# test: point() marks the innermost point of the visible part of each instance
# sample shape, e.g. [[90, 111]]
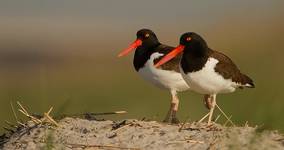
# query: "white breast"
[[162, 78], [207, 81]]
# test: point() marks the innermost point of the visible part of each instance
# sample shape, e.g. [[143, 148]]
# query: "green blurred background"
[[62, 53]]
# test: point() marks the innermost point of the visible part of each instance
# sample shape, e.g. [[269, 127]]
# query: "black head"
[[190, 43], [192, 40], [148, 38]]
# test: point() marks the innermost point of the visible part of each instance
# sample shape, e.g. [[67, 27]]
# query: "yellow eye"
[[188, 39], [147, 35]]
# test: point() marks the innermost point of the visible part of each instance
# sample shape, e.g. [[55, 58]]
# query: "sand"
[[76, 133]]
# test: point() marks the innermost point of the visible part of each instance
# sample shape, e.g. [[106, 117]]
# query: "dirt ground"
[[76, 133]]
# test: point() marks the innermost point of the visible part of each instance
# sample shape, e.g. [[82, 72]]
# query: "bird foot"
[[171, 118]]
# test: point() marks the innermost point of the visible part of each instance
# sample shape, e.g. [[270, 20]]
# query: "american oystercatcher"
[[149, 51], [206, 71]]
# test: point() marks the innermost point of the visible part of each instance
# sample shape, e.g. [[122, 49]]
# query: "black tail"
[[247, 81]]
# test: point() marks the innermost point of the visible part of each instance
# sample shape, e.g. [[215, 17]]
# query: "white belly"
[[207, 81], [162, 78]]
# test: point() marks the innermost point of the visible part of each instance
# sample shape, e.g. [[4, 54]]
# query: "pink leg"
[[212, 109], [171, 116]]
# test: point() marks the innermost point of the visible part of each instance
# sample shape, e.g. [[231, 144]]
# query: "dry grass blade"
[[25, 112], [246, 124], [49, 111], [22, 108], [49, 118], [10, 124], [203, 118], [217, 118], [22, 124], [46, 115], [46, 118], [14, 112], [228, 119]]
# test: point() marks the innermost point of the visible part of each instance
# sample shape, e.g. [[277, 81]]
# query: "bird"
[[205, 70], [148, 51]]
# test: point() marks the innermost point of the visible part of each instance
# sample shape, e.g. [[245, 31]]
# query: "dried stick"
[[187, 140], [102, 146], [182, 125], [108, 113]]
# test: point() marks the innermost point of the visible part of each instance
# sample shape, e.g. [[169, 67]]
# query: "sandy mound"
[[75, 133]]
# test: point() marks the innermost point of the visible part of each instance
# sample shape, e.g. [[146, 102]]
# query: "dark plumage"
[[149, 46], [149, 50], [206, 71], [229, 70], [142, 55], [197, 53]]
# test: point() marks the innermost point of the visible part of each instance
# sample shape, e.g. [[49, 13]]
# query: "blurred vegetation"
[[105, 83]]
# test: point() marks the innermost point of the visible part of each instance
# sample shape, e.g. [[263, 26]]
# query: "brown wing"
[[229, 70]]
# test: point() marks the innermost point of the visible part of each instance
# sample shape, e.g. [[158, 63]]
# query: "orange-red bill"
[[131, 47], [170, 55]]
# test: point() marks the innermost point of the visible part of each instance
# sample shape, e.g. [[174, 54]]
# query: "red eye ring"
[[188, 39]]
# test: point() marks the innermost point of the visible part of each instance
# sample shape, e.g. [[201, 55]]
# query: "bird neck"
[[197, 50], [194, 58], [143, 54]]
